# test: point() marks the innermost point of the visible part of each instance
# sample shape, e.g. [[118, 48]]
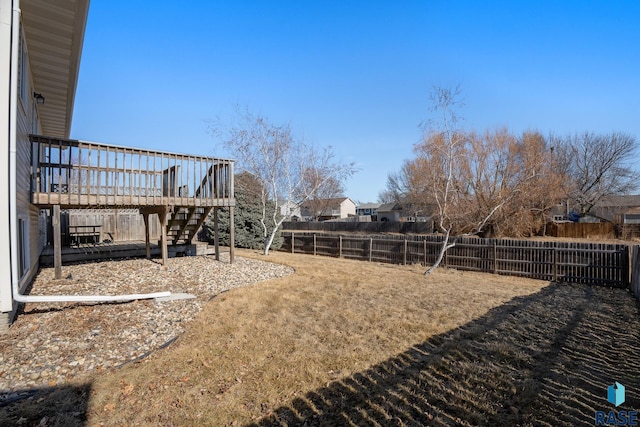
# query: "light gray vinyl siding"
[[25, 124]]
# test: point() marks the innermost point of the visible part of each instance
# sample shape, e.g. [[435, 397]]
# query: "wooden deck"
[[77, 174], [105, 251], [181, 189]]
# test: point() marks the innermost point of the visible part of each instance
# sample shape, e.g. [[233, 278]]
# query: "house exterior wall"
[[5, 238], [290, 210], [328, 209], [366, 211], [347, 208], [631, 218], [27, 123], [388, 216], [28, 218]]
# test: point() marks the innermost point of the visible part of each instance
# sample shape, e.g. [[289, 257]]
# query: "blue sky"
[[355, 75]]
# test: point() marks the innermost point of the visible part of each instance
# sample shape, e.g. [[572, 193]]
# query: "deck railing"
[[79, 173]]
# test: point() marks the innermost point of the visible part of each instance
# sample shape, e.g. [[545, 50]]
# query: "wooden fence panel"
[[387, 251], [415, 252], [327, 245], [118, 225], [355, 248], [588, 263], [635, 271], [581, 229]]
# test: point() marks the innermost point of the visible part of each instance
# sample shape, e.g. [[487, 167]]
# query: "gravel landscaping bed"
[[52, 343]]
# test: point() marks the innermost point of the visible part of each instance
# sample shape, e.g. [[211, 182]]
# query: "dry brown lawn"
[[354, 343]]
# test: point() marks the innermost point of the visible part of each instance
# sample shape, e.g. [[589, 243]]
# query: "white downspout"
[[13, 212]]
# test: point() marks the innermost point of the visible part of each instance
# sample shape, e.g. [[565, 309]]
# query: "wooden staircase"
[[184, 222]]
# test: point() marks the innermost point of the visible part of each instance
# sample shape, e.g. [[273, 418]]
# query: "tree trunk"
[[269, 241], [445, 246]]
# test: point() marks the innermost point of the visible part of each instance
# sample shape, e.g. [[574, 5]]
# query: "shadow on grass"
[[542, 359], [65, 405]]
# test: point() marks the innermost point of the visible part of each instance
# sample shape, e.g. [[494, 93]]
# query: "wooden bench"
[[85, 234]]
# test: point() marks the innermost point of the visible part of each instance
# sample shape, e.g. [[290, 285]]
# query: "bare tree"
[[597, 166], [476, 182], [288, 170], [545, 188], [436, 171], [519, 175], [397, 188]]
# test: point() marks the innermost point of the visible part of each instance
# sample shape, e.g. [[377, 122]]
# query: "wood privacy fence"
[[362, 227], [581, 229], [589, 263], [117, 225]]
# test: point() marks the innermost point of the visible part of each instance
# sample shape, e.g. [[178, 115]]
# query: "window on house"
[[23, 243]]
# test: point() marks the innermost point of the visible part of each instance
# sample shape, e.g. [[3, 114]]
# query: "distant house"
[[389, 212], [618, 209], [368, 209], [629, 216], [290, 210], [328, 209], [399, 212]]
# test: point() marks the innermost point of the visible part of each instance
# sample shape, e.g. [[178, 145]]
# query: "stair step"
[[184, 222]]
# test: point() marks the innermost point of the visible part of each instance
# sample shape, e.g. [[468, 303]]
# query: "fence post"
[[314, 243], [404, 255], [340, 247], [370, 249], [626, 266], [293, 242]]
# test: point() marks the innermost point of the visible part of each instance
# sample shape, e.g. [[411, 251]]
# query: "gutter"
[[13, 212]]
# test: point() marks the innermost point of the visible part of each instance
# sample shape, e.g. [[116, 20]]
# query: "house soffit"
[[54, 33]]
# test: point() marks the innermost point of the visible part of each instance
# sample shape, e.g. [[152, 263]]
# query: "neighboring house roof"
[[333, 202], [369, 206], [389, 207], [610, 206], [54, 33], [626, 201], [283, 202]]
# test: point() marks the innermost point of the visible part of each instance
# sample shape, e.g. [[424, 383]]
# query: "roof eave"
[[54, 33]]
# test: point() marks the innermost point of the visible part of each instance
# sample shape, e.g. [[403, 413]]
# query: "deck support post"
[[57, 243], [147, 237], [216, 235], [231, 236], [163, 240]]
